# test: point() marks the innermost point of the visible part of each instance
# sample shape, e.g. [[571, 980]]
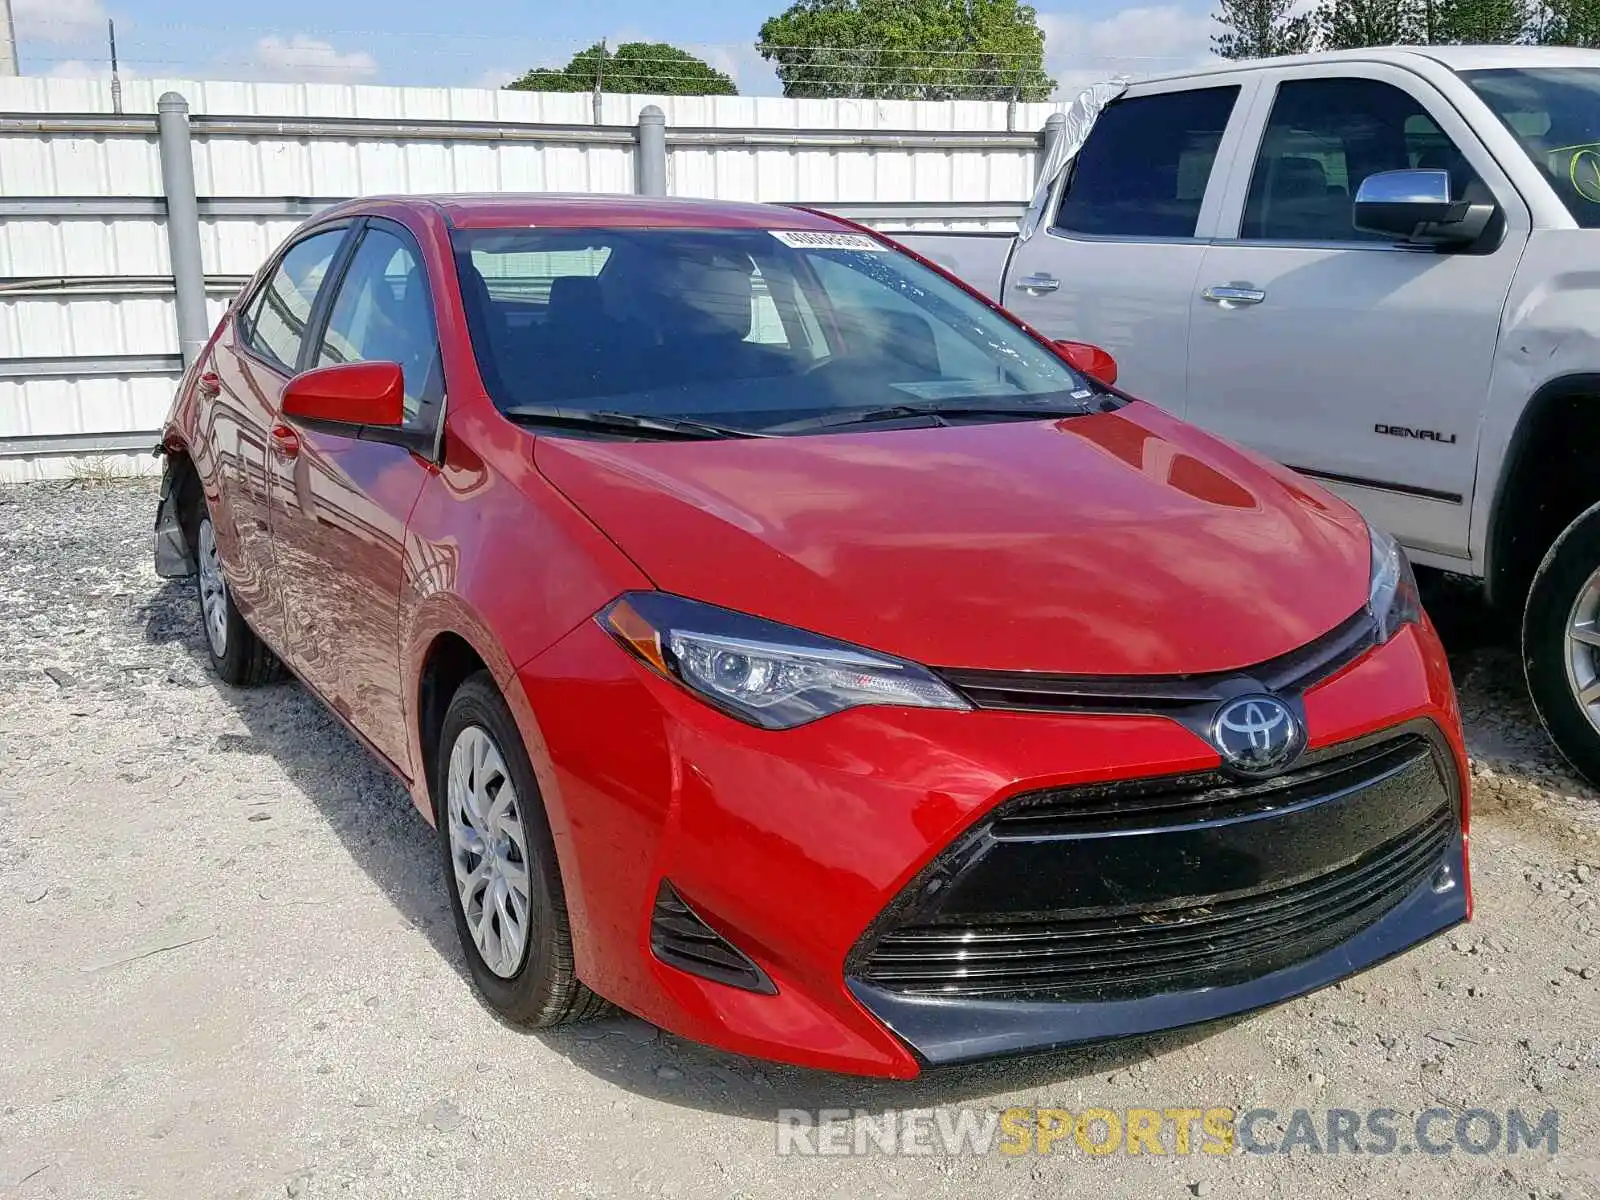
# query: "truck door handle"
[[1038, 283], [1231, 294], [285, 442]]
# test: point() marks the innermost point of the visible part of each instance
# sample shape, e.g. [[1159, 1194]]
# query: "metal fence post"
[[1055, 126], [183, 224], [651, 176], [8, 41]]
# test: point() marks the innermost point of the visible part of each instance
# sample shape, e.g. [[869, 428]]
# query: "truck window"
[[1143, 172], [1554, 113], [1323, 138]]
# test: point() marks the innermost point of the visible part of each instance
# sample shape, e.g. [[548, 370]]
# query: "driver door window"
[[383, 313], [1323, 138]]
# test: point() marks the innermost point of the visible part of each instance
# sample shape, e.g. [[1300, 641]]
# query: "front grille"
[[680, 938], [1142, 803], [1141, 887], [1130, 955], [1036, 691]]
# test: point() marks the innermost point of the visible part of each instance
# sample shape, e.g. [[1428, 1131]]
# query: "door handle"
[[210, 384], [1041, 282], [1230, 294], [285, 441]]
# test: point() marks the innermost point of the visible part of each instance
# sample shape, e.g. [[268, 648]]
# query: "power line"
[[545, 44]]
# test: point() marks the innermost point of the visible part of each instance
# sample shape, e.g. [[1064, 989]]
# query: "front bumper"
[[803, 849]]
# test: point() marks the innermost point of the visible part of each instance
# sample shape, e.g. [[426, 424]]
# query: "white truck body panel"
[[1396, 376]]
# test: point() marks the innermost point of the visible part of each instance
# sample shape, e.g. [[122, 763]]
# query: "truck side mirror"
[[1415, 206]]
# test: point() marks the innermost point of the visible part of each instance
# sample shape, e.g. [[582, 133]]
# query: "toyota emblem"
[[1257, 734]]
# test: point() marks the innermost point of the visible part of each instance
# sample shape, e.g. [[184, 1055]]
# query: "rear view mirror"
[[1415, 206], [1094, 362], [362, 393]]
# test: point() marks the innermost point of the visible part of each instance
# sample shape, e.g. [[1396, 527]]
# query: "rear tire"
[[500, 865], [1561, 644], [238, 656]]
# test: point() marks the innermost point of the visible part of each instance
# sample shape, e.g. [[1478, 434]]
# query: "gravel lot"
[[227, 968]]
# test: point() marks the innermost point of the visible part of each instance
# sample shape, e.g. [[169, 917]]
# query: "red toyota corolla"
[[793, 648]]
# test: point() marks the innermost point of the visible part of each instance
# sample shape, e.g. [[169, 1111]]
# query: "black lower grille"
[[1156, 886], [679, 938], [1144, 953]]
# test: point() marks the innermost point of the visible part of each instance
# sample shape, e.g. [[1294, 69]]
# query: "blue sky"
[[487, 42]]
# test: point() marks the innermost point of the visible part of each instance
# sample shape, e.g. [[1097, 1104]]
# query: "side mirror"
[[1415, 206], [1094, 362], [361, 393]]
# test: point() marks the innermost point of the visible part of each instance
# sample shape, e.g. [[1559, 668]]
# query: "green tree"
[[1474, 22], [644, 68], [1568, 23], [1261, 29], [908, 49], [1352, 24]]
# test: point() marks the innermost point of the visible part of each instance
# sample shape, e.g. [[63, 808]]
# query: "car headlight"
[[1393, 600], [759, 671]]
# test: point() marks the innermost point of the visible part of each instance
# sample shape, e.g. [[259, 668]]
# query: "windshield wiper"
[[900, 412], [621, 422]]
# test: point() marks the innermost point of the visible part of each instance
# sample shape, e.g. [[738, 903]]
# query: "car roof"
[[501, 210], [1456, 58]]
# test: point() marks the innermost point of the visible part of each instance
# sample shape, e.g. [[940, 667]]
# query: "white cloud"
[[59, 21], [743, 63], [305, 59], [1135, 42], [78, 68], [496, 77]]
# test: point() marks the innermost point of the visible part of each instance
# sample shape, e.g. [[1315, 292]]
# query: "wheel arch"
[[1538, 494], [450, 641]]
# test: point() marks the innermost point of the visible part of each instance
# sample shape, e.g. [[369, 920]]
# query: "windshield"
[[1555, 114], [752, 329]]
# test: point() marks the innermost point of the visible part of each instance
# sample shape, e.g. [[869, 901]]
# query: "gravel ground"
[[227, 967]]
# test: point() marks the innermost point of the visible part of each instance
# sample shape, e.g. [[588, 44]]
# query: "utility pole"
[[116, 80], [8, 41], [596, 104]]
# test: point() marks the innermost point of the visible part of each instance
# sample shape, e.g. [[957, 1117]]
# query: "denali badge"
[[1256, 734], [1426, 435]]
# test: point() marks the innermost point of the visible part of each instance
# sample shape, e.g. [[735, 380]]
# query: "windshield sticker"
[[815, 239]]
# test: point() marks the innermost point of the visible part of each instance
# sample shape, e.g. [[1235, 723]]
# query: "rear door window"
[[1145, 168]]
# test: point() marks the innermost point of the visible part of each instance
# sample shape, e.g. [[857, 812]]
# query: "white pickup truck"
[[1381, 267]]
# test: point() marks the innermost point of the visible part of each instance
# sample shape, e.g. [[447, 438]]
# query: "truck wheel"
[[1561, 643]]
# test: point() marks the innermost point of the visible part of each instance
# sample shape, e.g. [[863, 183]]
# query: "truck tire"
[[1561, 643]]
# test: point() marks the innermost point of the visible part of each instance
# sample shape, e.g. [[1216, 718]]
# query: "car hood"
[[1122, 543]]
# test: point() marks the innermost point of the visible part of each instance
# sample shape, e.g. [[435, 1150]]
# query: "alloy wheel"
[[213, 591], [1583, 649], [488, 850]]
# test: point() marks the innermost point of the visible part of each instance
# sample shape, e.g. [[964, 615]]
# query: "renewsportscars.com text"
[[1168, 1131]]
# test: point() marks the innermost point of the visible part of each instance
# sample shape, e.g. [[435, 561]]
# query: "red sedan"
[[791, 647]]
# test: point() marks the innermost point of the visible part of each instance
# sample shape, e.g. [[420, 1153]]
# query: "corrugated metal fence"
[[89, 348]]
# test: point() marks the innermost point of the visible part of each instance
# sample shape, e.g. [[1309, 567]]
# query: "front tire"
[[238, 656], [500, 865], [1561, 643]]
